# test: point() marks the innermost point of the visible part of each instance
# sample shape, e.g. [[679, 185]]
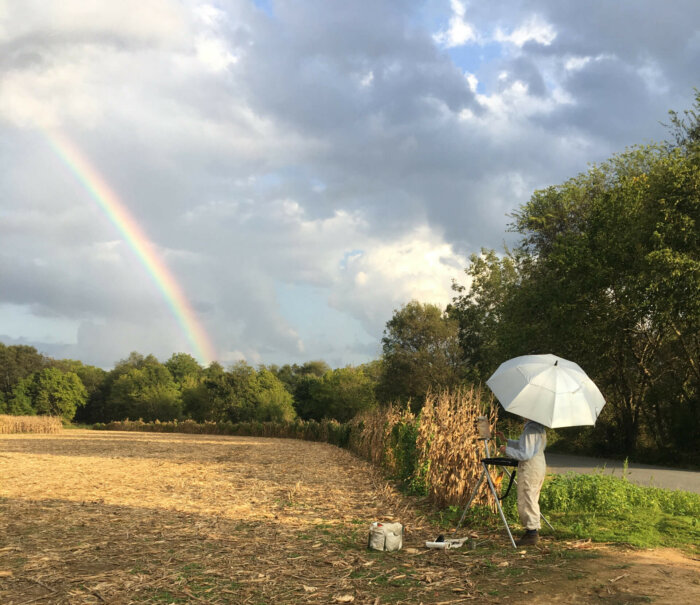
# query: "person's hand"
[[502, 449]]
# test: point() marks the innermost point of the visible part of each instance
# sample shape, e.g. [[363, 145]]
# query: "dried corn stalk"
[[450, 447], [30, 424]]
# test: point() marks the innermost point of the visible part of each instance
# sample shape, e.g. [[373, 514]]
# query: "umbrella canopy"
[[547, 389]]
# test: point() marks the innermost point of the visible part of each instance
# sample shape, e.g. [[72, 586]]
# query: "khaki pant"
[[530, 478]]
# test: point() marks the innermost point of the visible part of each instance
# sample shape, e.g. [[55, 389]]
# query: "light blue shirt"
[[532, 442]]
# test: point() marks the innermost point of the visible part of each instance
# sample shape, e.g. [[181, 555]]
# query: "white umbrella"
[[547, 389]]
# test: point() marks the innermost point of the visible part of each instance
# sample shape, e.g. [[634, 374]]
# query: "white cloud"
[[535, 29], [159, 23], [367, 79], [654, 77], [472, 80], [214, 53], [576, 63], [420, 265], [459, 31]]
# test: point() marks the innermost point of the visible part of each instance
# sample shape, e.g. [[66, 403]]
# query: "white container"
[[385, 536]]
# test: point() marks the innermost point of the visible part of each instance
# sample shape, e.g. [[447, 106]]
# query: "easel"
[[485, 435]]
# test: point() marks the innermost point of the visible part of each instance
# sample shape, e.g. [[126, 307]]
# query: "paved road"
[[642, 474]]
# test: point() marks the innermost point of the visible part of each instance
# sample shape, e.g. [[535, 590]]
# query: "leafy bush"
[[605, 495]]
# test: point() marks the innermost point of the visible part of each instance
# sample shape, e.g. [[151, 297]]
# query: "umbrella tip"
[[556, 362]]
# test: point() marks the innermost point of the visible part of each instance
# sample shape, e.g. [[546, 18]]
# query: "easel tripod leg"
[[498, 504], [471, 499]]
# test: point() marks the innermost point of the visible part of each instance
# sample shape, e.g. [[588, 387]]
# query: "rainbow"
[[116, 211]]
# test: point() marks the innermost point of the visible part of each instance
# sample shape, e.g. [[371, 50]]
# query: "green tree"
[[478, 310], [292, 375], [185, 370], [307, 403], [273, 402], [209, 400], [50, 392], [240, 394], [420, 353], [93, 379], [17, 362], [607, 274], [340, 394], [142, 387], [613, 282]]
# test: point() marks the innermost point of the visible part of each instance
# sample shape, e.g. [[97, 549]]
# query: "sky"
[[270, 180]]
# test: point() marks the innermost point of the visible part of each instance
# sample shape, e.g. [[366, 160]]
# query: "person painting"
[[529, 451]]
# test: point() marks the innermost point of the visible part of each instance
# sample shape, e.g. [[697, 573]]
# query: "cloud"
[[313, 162], [459, 32], [535, 29], [419, 266]]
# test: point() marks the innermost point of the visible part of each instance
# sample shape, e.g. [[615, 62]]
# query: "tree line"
[[141, 387], [606, 273]]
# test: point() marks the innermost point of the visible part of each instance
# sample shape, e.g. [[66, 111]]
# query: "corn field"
[[30, 424], [436, 452], [447, 450], [450, 445]]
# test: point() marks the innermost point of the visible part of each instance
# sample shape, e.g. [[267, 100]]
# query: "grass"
[[604, 509], [611, 509]]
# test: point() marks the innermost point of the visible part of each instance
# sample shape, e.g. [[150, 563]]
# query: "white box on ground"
[[385, 536]]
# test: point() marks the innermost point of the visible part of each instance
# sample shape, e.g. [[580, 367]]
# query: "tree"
[[340, 394], [93, 379], [613, 282], [239, 395], [420, 353], [273, 401], [478, 311], [292, 375], [307, 403], [143, 388], [607, 274], [209, 400], [50, 392], [17, 362], [185, 370]]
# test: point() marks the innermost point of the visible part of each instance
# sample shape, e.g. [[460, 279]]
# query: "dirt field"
[[95, 517]]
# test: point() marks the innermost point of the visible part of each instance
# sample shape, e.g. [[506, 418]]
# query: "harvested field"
[[108, 517]]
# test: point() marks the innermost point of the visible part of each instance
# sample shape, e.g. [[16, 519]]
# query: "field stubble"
[[90, 517]]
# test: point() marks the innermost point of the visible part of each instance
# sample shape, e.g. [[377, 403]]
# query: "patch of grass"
[[513, 571], [572, 554], [640, 527], [191, 568], [352, 541], [167, 597], [604, 509]]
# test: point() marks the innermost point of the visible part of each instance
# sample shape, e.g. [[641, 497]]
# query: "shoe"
[[529, 538]]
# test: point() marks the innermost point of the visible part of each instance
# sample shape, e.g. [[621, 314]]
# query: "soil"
[[98, 517]]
